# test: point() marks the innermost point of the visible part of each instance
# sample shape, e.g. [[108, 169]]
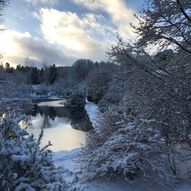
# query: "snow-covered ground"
[[56, 103], [36, 96], [69, 162], [42, 92], [94, 114]]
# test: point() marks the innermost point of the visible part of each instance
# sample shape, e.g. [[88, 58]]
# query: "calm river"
[[66, 130]]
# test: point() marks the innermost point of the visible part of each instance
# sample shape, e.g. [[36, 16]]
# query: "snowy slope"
[[94, 114]]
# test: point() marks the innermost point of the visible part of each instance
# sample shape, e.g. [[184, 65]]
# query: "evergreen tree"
[[41, 75], [34, 76], [52, 74]]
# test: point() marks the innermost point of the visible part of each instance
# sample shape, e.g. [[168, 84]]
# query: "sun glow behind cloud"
[[64, 28], [16, 47], [9, 45], [65, 35]]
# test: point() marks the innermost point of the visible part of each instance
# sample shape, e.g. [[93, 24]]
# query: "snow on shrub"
[[23, 164], [128, 150], [76, 101]]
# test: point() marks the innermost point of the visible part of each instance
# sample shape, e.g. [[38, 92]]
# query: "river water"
[[65, 129]]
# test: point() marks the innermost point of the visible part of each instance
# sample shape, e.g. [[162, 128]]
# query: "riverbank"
[[94, 114], [69, 162]]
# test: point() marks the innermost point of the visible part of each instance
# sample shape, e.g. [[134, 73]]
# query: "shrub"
[[76, 100], [23, 164], [128, 150], [97, 85]]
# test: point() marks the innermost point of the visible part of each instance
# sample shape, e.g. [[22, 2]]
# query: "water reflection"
[[65, 129]]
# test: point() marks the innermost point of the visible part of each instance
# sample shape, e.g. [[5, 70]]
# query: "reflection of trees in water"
[[64, 120], [46, 123], [47, 113], [79, 119], [32, 110]]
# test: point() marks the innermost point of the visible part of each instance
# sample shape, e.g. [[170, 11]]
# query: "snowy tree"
[[97, 84], [166, 22], [50, 74], [81, 68], [24, 165], [129, 150], [157, 92], [152, 110], [12, 85]]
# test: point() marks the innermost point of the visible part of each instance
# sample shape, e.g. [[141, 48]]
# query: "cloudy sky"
[[62, 31]]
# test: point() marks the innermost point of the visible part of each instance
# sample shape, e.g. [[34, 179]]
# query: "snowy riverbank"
[[94, 114], [68, 163]]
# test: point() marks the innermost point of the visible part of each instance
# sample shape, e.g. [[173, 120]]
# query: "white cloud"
[[8, 45], [16, 47], [81, 36], [69, 36], [64, 28], [120, 14]]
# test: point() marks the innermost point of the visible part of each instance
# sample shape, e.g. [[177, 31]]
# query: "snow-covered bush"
[[114, 93], [42, 90], [16, 105], [131, 141], [76, 100], [24, 165], [128, 150], [11, 88], [97, 84]]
